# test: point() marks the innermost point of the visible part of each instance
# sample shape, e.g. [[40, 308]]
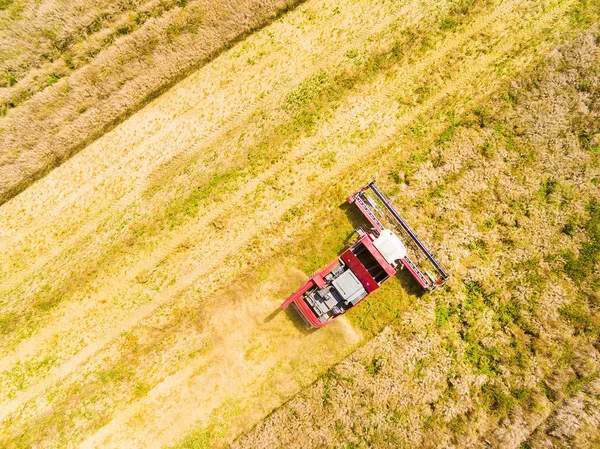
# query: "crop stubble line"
[[189, 278], [123, 203], [87, 229]]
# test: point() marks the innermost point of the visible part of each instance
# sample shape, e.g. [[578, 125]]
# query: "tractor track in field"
[[238, 231], [29, 346]]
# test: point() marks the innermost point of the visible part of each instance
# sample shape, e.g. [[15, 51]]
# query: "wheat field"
[[140, 279], [71, 71]]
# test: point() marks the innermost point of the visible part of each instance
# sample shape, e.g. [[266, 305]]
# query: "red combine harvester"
[[374, 257]]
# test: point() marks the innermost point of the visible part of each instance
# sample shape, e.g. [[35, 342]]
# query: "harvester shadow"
[[298, 321], [272, 315], [292, 316], [408, 283], [356, 218]]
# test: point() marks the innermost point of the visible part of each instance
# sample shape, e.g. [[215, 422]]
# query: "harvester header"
[[376, 255]]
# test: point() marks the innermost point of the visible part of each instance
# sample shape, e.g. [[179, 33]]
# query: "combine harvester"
[[374, 257]]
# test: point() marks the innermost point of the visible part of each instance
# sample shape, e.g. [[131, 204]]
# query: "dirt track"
[[134, 310]]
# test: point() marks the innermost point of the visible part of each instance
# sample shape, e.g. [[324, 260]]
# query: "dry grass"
[[573, 424], [71, 71], [512, 189], [138, 279]]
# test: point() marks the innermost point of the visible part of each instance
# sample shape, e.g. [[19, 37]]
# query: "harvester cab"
[[371, 259]]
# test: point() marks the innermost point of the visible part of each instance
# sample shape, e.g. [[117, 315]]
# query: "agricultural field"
[[140, 279], [71, 71]]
